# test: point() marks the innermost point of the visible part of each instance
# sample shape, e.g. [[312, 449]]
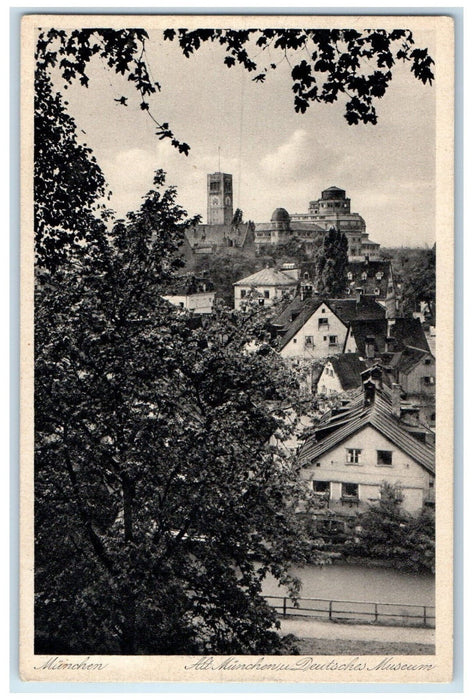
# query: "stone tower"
[[219, 198]]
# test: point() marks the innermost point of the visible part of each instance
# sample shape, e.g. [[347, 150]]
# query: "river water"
[[360, 583]]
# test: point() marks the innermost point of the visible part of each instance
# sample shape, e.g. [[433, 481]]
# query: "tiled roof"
[[409, 358], [345, 309], [360, 329], [410, 332], [405, 331], [371, 268], [356, 416], [351, 309], [268, 276], [348, 369]]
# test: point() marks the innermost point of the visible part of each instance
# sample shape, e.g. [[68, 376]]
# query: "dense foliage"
[[331, 264], [160, 501], [387, 532], [155, 477]]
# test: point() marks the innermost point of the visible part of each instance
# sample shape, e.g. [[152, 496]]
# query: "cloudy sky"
[[278, 158]]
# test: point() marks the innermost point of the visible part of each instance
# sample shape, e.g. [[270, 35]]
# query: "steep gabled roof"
[[337, 428], [377, 329], [409, 358], [348, 369], [410, 332], [267, 277], [405, 332], [366, 308], [344, 309]]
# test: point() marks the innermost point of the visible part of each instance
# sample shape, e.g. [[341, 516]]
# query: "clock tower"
[[219, 199]]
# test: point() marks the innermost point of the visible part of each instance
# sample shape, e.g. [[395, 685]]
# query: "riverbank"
[[322, 637]]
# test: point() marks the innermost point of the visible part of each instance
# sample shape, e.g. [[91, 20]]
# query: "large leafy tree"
[[331, 264], [155, 476], [418, 275], [160, 502]]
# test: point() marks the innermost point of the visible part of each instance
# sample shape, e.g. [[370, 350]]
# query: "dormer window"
[[379, 275], [364, 275], [350, 276], [376, 291]]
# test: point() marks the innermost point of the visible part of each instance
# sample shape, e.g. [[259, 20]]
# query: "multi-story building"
[[333, 209], [358, 446], [266, 286]]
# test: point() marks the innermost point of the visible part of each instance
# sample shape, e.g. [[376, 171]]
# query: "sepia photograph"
[[237, 348]]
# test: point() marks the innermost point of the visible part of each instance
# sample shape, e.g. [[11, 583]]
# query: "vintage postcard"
[[237, 348]]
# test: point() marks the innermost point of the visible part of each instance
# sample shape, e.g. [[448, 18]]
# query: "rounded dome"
[[280, 214]]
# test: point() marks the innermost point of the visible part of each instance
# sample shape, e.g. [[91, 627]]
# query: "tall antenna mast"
[[219, 159]]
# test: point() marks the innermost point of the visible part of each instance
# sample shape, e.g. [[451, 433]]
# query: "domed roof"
[[280, 214]]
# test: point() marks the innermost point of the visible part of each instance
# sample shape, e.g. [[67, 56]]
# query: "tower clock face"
[[215, 201]]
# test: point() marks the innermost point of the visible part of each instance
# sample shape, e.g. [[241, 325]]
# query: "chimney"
[[359, 294], [306, 291], [389, 343], [370, 391], [391, 322], [369, 347], [396, 400]]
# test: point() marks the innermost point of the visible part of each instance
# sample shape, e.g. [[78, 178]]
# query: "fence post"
[[330, 610], [425, 616], [376, 612], [284, 607]]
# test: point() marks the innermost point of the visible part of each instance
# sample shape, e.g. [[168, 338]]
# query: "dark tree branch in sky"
[[338, 63]]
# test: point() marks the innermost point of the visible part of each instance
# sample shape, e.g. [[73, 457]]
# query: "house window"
[[309, 339], [384, 457], [427, 362], [428, 380], [376, 291], [353, 455], [243, 293], [261, 302], [295, 340], [266, 293], [323, 322], [350, 492], [333, 339], [322, 310], [321, 488]]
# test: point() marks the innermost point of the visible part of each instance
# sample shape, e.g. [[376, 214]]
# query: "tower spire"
[[219, 159]]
